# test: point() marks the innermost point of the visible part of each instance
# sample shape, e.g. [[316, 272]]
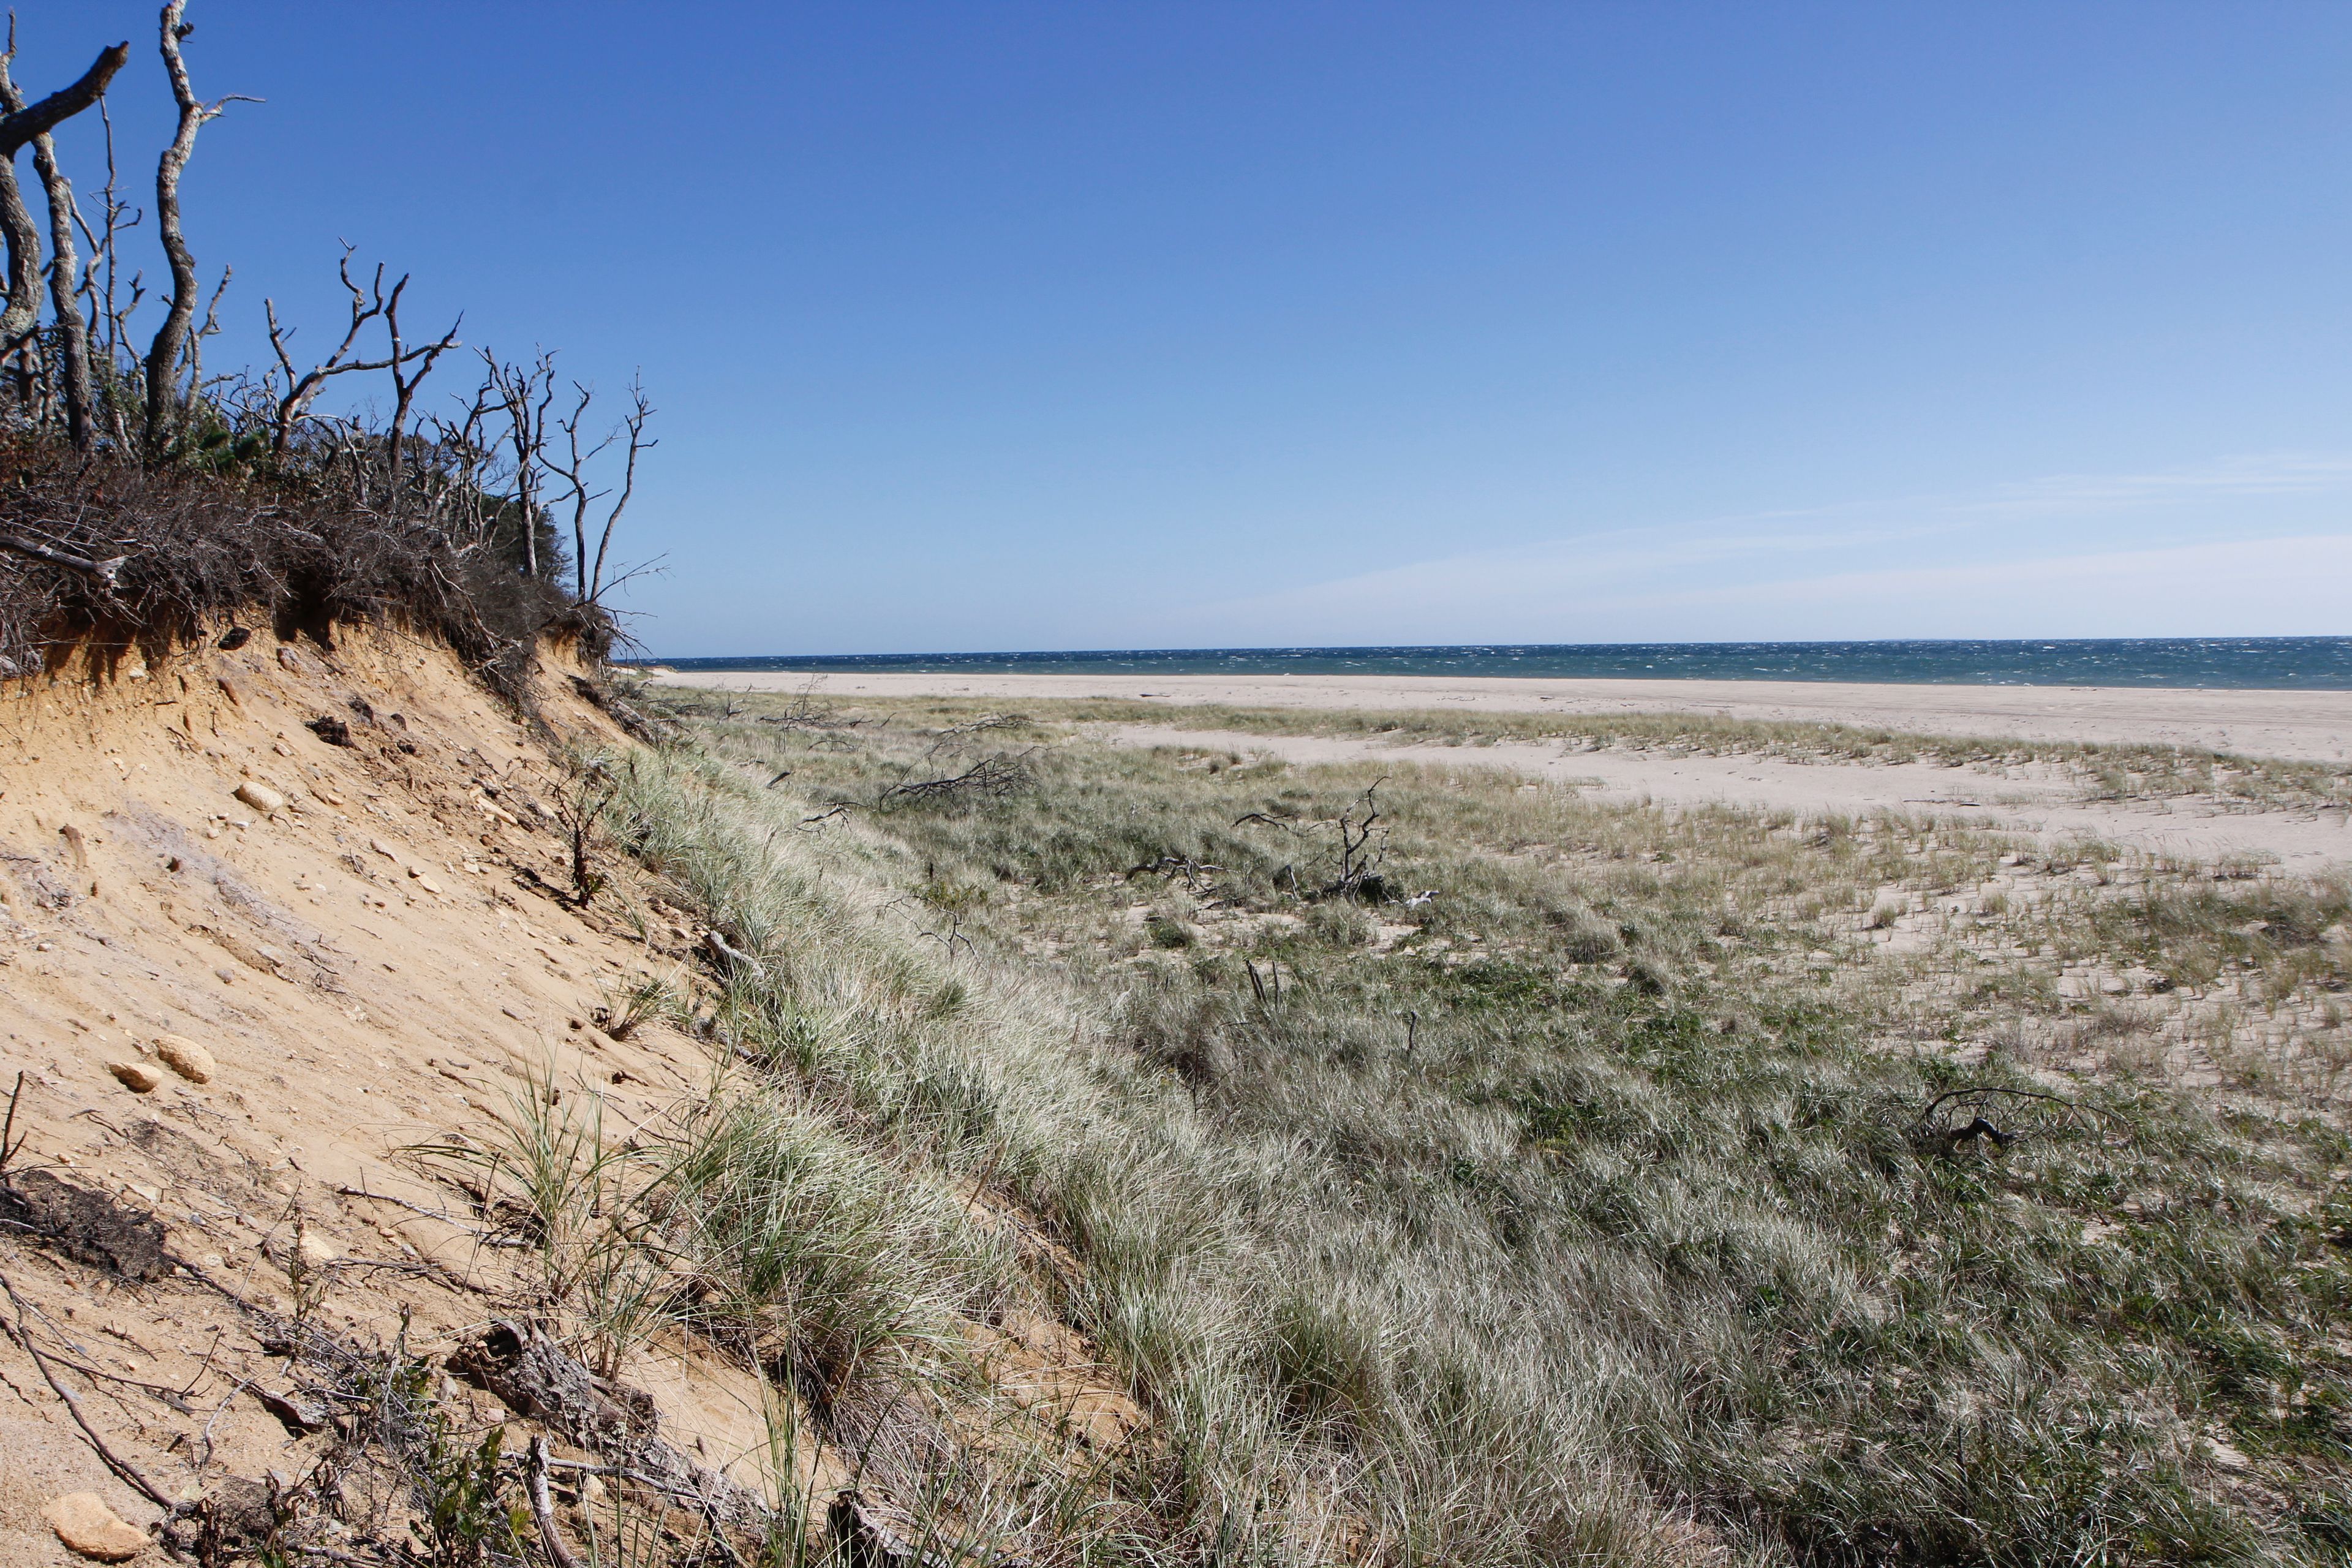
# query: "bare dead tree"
[[72, 378], [464, 506], [589, 575], [303, 389], [73, 332], [404, 384], [211, 328], [20, 318], [164, 404], [65, 266], [112, 302], [523, 393], [23, 123]]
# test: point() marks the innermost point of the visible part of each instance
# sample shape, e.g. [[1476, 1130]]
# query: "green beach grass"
[[1581, 1183]]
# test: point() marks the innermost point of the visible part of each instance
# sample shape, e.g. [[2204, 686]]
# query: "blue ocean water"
[[2231, 662]]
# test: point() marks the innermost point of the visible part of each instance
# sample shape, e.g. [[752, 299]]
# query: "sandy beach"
[[2303, 726], [2039, 801]]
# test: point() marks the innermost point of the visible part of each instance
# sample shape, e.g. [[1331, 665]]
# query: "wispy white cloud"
[[2228, 479], [2119, 554], [2291, 586]]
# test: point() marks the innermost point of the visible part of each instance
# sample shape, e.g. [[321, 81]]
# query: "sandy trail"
[[2036, 800], [2306, 726]]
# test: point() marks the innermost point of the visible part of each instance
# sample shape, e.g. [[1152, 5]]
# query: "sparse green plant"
[[587, 1210], [466, 1521], [640, 999], [581, 805]]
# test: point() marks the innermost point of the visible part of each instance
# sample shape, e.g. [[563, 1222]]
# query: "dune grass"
[[1599, 1206], [2105, 772]]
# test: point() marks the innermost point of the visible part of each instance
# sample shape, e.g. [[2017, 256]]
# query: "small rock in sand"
[[380, 848], [260, 796], [186, 1058], [136, 1076], [423, 881], [87, 1526], [317, 1250]]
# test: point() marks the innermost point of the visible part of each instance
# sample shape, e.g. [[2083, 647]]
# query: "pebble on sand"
[[89, 1527], [186, 1057], [260, 796], [136, 1076]]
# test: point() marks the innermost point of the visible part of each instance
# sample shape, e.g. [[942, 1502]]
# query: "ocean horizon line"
[[2323, 663]]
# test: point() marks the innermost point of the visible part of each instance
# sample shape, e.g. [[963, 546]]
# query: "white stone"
[[260, 796]]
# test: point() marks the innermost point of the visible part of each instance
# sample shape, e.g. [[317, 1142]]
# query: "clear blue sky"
[[1027, 326]]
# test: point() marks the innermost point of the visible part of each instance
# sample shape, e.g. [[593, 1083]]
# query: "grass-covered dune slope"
[[1455, 1170]]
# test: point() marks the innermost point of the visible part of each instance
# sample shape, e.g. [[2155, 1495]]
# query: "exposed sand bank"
[[355, 945], [2304, 726]]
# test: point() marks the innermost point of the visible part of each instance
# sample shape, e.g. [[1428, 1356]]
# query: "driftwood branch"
[[539, 1382], [106, 571], [559, 1551], [1184, 866], [1361, 845], [1979, 1126], [949, 738], [997, 776], [807, 713]]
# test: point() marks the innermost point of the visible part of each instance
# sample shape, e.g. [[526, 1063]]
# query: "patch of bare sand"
[[2034, 801], [2297, 726]]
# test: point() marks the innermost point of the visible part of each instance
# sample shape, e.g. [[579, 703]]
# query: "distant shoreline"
[[2291, 664]]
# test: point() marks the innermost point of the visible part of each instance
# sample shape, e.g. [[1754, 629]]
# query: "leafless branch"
[[105, 571], [22, 1333], [543, 1511], [33, 124], [589, 584], [301, 390], [163, 398], [997, 776], [65, 266], [1359, 848], [22, 124], [405, 386], [949, 738]]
